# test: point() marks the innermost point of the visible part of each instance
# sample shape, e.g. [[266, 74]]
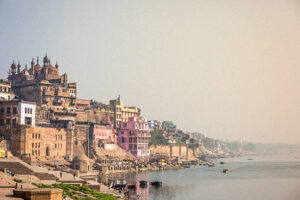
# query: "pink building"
[[134, 136], [102, 134]]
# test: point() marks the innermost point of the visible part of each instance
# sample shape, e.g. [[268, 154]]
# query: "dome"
[[46, 59], [81, 157], [51, 70]]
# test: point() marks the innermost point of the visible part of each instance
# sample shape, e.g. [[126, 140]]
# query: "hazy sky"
[[226, 68]]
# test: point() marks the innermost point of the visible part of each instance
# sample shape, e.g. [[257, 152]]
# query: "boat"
[[186, 166], [131, 186], [222, 163], [119, 184], [156, 183], [225, 171], [250, 159], [143, 184], [211, 165]]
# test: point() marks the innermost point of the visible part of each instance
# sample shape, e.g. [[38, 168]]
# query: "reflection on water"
[[267, 178]]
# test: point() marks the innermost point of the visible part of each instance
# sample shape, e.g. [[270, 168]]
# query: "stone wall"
[[173, 151]]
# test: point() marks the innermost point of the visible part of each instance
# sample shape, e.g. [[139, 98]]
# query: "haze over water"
[[263, 178]]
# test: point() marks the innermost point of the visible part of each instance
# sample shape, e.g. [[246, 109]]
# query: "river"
[[262, 178]]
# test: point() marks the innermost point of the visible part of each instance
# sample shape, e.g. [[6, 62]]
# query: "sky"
[[227, 68]]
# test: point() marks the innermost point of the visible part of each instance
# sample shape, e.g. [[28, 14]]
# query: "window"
[[14, 110], [32, 135], [39, 135], [28, 120], [35, 145], [123, 140], [130, 147], [32, 152], [8, 110], [8, 121], [55, 146], [130, 140], [124, 125], [61, 137], [1, 122], [2, 110], [32, 145], [39, 145], [14, 121]]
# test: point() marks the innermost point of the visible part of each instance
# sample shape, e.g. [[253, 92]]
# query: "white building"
[[17, 112], [27, 113], [5, 90]]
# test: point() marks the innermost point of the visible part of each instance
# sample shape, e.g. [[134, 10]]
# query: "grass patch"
[[74, 192]]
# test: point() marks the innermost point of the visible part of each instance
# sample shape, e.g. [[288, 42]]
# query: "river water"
[[263, 178]]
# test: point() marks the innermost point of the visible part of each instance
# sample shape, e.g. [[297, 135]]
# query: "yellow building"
[[122, 113]]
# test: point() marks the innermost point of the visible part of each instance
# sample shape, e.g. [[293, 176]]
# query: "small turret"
[[56, 65], [32, 67], [13, 68], [46, 60], [19, 68]]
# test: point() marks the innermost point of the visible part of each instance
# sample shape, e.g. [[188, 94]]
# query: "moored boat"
[[143, 184], [211, 165], [156, 183]]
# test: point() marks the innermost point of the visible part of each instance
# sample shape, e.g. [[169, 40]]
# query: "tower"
[[13, 68], [19, 68]]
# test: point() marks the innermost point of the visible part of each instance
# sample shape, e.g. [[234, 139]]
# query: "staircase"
[[45, 176]]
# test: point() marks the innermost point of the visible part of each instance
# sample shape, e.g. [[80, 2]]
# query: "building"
[[169, 126], [5, 90], [82, 104], [42, 124], [17, 112], [102, 134], [154, 124], [123, 113], [38, 142], [134, 136], [53, 95]]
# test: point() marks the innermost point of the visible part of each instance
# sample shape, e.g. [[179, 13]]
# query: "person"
[[74, 175], [60, 174]]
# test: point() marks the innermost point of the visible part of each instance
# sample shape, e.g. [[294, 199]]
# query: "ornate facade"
[[54, 96]]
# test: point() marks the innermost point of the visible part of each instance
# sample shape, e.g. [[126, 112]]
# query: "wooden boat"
[[156, 183], [222, 163], [143, 184], [119, 184], [131, 186], [211, 165]]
